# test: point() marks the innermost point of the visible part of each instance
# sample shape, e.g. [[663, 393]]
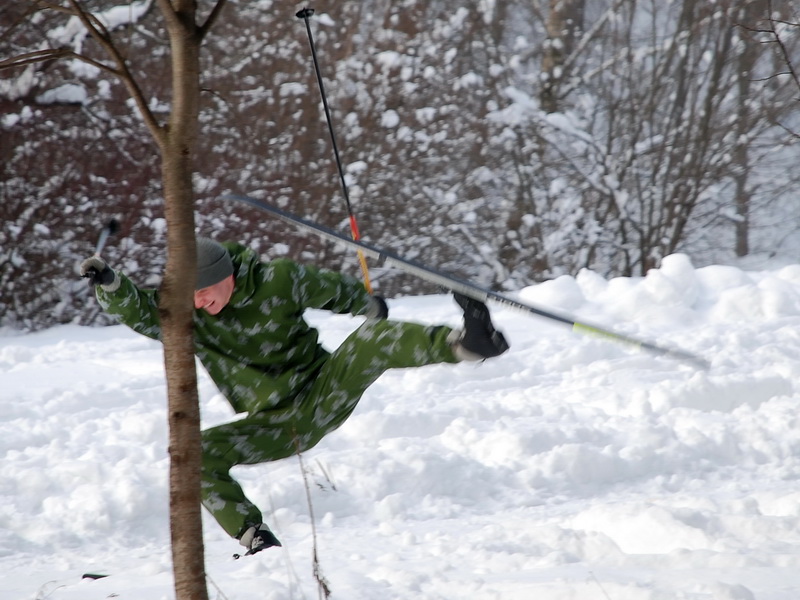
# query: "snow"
[[16, 88], [390, 119], [68, 93], [73, 33], [570, 468]]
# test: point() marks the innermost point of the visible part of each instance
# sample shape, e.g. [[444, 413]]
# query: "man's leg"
[[371, 350], [375, 347], [380, 345], [265, 437], [272, 435]]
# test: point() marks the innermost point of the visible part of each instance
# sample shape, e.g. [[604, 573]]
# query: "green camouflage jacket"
[[259, 350]]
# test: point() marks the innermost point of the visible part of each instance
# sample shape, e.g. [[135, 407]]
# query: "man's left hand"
[[377, 308]]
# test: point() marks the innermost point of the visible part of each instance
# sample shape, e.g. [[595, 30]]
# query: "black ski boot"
[[257, 538], [480, 339]]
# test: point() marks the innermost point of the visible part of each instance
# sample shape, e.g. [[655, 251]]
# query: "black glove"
[[97, 272], [377, 308]]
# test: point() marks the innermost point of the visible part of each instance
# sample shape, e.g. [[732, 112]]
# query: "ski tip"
[[93, 576]]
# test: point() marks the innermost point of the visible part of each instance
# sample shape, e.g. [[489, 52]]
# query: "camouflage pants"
[[324, 405]]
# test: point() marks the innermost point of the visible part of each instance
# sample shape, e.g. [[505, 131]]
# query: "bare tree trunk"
[[746, 62], [183, 404], [176, 308], [564, 21], [741, 167]]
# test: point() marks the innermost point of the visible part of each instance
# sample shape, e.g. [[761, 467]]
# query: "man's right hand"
[[97, 272]]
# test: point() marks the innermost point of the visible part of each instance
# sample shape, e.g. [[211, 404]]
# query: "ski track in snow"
[[570, 468]]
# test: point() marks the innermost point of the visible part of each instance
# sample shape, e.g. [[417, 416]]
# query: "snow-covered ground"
[[571, 468]]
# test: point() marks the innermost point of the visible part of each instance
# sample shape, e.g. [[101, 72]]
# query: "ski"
[[464, 287]]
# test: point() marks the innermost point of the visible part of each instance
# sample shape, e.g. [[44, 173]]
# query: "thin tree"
[[564, 24], [176, 139], [780, 30]]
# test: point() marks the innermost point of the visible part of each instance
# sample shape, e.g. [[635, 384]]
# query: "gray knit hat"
[[213, 263]]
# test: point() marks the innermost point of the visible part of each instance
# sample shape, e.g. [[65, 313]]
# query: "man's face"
[[214, 298]]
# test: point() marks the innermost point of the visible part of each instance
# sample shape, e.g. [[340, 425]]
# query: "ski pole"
[[110, 229], [305, 14]]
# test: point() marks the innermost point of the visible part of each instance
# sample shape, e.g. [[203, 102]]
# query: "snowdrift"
[[571, 468]]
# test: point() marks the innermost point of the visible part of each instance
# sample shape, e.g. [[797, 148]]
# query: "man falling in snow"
[[251, 337]]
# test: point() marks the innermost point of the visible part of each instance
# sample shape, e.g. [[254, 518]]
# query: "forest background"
[[507, 142]]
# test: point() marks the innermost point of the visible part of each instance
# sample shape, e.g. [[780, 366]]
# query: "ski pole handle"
[[110, 229]]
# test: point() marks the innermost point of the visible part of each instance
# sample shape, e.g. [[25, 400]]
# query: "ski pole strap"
[[362, 260]]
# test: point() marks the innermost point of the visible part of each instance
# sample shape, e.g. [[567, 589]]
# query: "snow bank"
[[570, 468]]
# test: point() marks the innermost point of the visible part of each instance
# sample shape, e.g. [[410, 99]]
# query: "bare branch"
[[30, 58], [99, 32], [589, 36], [772, 31], [171, 10], [784, 50], [45, 5], [791, 132], [212, 18], [324, 587]]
